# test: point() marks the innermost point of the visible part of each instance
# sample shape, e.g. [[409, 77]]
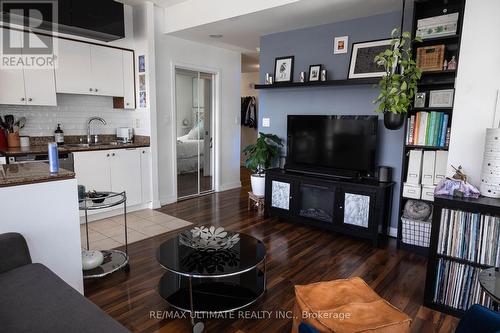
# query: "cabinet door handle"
[[107, 155], [113, 154], [23, 99], [90, 89], [30, 99], [95, 89]]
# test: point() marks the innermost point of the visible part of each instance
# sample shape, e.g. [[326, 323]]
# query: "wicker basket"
[[416, 232], [430, 58]]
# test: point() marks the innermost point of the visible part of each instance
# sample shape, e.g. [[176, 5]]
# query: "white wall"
[[478, 81], [169, 51], [46, 214], [249, 135]]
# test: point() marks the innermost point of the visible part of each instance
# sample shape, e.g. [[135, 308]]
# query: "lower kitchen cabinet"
[[115, 170]]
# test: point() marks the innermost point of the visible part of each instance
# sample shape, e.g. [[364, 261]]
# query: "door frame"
[[216, 107]]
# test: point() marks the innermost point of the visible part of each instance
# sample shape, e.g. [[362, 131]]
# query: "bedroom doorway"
[[194, 123]]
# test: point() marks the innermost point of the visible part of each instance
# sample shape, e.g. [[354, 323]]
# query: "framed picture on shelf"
[[362, 55], [441, 98], [283, 69], [420, 100], [314, 73], [340, 44]]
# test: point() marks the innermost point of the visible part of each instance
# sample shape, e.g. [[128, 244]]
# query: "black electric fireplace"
[[316, 202]]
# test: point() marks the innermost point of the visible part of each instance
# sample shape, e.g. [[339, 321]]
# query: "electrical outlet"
[[137, 123], [266, 122]]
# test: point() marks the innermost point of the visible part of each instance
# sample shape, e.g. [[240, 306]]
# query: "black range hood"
[[97, 19]]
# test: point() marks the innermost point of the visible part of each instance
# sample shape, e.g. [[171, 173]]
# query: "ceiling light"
[[216, 36]]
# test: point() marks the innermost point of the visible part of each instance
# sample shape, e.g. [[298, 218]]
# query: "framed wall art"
[[283, 69], [362, 55]]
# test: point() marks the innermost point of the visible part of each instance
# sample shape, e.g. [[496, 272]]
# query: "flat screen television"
[[335, 145]]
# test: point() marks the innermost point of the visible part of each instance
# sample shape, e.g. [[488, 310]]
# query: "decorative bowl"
[[91, 259], [209, 238]]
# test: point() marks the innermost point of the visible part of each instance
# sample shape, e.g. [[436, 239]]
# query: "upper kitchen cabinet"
[[73, 71], [27, 84], [107, 71], [93, 70], [39, 83], [128, 80]]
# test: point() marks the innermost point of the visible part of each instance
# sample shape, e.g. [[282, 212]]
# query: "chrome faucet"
[[89, 136]]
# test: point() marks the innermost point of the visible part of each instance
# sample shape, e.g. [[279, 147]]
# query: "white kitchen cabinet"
[[12, 80], [107, 71], [25, 85], [92, 169], [114, 170], [73, 71], [125, 166], [128, 80], [40, 83], [146, 174]]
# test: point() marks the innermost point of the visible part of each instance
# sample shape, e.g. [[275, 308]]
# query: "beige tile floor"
[[110, 233]]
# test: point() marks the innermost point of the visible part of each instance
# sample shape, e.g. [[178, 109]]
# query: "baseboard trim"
[[167, 200], [229, 186]]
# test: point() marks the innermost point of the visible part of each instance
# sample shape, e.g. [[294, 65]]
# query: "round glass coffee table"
[[200, 281], [489, 280]]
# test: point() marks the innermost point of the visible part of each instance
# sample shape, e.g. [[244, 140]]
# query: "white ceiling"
[[243, 33]]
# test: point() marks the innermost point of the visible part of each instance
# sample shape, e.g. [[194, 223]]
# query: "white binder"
[[414, 167], [441, 164], [428, 165]]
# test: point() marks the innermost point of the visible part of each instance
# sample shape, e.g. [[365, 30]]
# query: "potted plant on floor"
[[398, 86], [260, 156]]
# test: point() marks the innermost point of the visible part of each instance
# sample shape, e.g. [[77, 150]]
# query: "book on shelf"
[[428, 129], [457, 286], [470, 236]]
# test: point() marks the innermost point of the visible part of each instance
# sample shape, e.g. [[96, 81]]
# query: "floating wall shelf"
[[346, 82]]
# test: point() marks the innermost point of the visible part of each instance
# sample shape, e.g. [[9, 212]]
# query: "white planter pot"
[[258, 185]]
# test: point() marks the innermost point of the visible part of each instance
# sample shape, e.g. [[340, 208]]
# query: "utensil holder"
[[13, 140], [3, 139]]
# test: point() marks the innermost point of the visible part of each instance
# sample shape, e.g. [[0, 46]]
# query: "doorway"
[[194, 104]]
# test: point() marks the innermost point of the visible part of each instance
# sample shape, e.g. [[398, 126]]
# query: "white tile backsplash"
[[72, 112]]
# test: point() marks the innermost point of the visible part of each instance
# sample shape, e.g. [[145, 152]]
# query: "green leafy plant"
[[261, 154], [398, 86]]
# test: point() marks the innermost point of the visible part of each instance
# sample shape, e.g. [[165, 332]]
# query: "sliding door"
[[194, 126]]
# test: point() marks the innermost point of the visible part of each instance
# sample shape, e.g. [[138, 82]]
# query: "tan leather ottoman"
[[346, 306]]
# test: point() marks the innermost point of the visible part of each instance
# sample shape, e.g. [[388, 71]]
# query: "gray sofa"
[[34, 299]]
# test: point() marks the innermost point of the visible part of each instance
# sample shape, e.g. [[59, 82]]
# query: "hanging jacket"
[[249, 111]]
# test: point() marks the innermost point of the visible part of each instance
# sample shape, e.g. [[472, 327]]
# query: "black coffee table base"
[[224, 294]]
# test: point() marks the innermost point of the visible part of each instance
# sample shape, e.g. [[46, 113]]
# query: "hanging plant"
[[398, 86]]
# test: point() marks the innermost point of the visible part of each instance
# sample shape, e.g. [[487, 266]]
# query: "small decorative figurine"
[[452, 64], [302, 77], [457, 186], [445, 65], [323, 75]]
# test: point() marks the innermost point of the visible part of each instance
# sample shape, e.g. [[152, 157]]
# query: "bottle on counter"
[[59, 135]]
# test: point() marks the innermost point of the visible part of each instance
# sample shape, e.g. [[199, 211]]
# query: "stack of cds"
[[490, 176]]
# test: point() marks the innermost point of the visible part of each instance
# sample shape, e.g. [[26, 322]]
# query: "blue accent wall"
[[315, 46]]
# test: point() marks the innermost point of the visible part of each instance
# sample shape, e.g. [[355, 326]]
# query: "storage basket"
[[430, 58], [416, 232]]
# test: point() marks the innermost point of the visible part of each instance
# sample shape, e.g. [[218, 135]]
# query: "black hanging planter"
[[394, 121]]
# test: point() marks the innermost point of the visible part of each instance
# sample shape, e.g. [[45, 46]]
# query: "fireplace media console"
[[356, 207]]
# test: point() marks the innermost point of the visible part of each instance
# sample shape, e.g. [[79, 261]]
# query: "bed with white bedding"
[[189, 151]]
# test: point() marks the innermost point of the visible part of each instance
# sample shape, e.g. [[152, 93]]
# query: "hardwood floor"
[[296, 255]]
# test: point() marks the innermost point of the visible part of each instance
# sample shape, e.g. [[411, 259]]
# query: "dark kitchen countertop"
[[42, 149], [30, 173]]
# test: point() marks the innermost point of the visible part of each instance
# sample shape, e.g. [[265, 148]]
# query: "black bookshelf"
[[433, 80], [482, 205]]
